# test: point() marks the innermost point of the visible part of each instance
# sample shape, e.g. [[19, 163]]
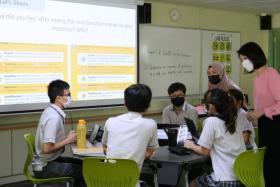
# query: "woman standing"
[[266, 96]]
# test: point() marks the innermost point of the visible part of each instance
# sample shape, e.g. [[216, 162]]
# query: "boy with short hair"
[[179, 109], [130, 135], [50, 138]]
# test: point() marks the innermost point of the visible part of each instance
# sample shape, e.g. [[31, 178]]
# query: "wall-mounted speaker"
[[265, 22], [144, 13]]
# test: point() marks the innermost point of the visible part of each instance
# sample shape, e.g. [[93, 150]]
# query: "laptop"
[[95, 134], [162, 132], [192, 129], [182, 135]]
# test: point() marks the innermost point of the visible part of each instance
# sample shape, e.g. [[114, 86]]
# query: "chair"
[[99, 172], [30, 140], [248, 167]]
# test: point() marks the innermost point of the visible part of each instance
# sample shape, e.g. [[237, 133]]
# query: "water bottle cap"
[[82, 122]]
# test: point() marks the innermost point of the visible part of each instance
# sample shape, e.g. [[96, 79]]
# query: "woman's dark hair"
[[224, 105], [56, 88], [175, 87], [254, 53], [237, 94], [137, 97]]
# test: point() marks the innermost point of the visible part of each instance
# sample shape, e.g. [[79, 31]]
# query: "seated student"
[[221, 139], [242, 120], [179, 109], [50, 138], [130, 135]]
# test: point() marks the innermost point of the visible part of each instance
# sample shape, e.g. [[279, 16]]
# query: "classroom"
[[195, 20]]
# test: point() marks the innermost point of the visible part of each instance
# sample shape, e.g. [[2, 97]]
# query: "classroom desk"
[[95, 150], [170, 168]]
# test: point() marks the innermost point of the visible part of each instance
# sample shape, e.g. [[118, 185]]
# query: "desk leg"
[[155, 177], [184, 179]]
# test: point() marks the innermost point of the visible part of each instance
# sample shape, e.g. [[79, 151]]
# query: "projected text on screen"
[[93, 47]]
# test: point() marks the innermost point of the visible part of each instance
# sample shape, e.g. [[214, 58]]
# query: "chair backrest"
[[110, 172], [248, 167], [30, 140]]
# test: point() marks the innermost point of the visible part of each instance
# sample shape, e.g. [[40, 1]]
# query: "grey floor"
[[29, 184]]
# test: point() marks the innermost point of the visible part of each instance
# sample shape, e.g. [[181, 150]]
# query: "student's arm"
[[150, 152], [50, 147], [153, 143], [104, 149], [206, 139], [105, 137], [197, 148], [246, 136]]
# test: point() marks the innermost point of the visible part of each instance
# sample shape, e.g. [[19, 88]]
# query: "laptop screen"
[[162, 134], [192, 129], [94, 133], [183, 134]]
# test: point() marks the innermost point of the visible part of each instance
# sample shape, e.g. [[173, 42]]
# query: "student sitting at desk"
[[131, 136], [242, 120], [179, 109], [50, 138], [221, 139]]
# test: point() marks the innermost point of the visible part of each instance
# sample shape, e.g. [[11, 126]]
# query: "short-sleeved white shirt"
[[171, 117], [246, 125], [224, 147], [128, 136], [50, 130]]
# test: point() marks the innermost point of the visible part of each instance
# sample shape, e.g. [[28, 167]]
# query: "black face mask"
[[214, 79], [178, 101]]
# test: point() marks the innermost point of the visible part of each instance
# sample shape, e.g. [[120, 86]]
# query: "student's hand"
[[254, 115], [72, 137], [189, 144], [150, 152]]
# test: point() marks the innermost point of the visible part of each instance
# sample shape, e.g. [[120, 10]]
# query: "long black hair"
[[224, 105]]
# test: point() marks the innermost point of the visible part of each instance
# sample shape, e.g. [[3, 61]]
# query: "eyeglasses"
[[69, 94]]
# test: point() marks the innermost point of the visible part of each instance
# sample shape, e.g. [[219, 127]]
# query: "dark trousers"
[[269, 133], [64, 167]]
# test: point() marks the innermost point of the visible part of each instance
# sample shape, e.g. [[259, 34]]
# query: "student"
[[221, 139], [50, 138], [179, 108], [242, 120], [218, 79], [266, 98], [130, 135]]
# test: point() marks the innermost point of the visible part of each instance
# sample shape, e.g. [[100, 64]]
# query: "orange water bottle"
[[81, 134]]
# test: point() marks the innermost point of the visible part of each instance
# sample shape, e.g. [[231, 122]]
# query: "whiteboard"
[[168, 55], [214, 48]]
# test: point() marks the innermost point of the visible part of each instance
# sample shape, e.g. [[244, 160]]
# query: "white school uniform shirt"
[[128, 136], [171, 117], [50, 129], [224, 147], [246, 125]]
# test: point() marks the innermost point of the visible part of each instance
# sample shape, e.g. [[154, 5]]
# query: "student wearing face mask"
[[51, 140], [179, 108], [218, 79], [266, 100]]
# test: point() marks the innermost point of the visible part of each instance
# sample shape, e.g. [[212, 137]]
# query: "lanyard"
[[58, 114]]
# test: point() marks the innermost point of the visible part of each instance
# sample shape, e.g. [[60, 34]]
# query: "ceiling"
[[250, 6]]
